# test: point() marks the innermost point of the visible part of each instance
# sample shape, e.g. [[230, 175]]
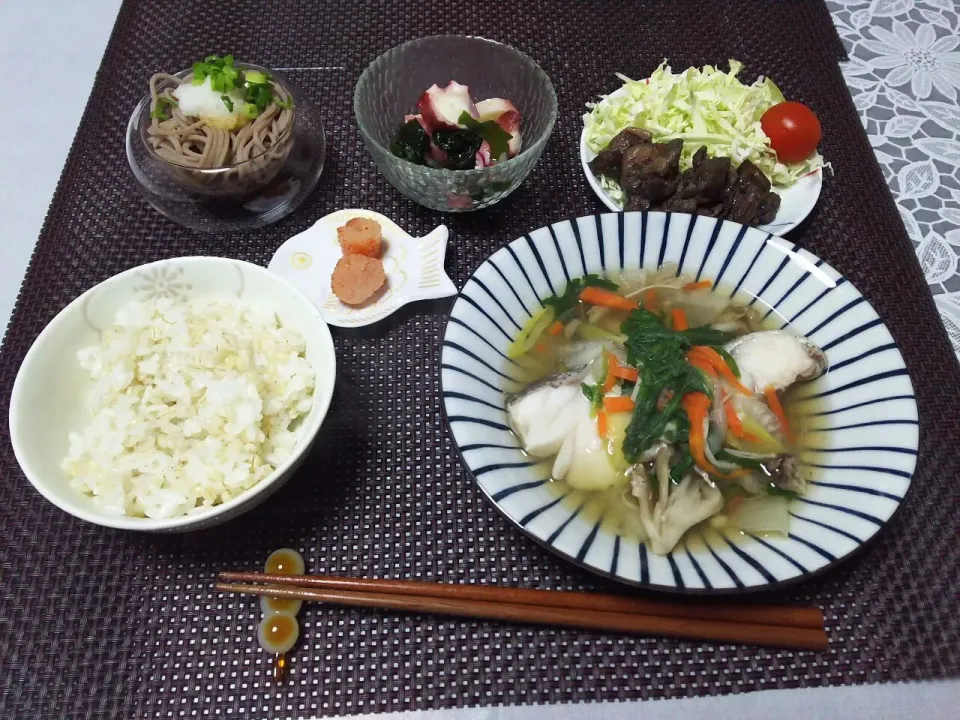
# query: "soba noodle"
[[251, 155]]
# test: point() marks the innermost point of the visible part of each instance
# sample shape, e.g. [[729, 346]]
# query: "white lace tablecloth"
[[904, 75]]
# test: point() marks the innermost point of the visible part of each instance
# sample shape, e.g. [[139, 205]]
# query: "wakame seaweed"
[[460, 147], [411, 143], [496, 136]]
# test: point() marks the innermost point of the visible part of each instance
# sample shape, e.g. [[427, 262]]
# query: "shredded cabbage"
[[701, 107]]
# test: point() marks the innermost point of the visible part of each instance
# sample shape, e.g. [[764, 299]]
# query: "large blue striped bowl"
[[865, 438]]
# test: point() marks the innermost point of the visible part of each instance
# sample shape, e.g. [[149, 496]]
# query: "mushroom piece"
[[676, 509]]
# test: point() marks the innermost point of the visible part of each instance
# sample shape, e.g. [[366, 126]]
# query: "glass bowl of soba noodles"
[[225, 145]]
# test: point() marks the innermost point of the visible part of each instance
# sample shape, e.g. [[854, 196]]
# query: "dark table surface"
[[104, 623]]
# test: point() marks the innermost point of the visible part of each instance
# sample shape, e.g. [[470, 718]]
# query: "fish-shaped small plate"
[[413, 266]]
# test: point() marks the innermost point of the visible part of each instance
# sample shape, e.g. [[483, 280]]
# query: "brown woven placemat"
[[102, 623]]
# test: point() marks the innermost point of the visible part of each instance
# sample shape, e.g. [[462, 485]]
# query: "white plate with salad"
[[708, 108]]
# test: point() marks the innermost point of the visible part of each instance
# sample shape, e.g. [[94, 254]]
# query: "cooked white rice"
[[192, 404]]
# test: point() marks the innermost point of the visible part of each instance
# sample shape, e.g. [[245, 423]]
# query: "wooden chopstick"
[[801, 617], [686, 627]]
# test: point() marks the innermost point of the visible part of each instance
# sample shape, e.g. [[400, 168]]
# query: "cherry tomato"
[[793, 129]]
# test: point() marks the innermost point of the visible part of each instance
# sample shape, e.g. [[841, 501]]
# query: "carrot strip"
[[701, 285], [540, 347], [618, 404], [621, 371], [697, 405], [556, 328], [650, 300], [773, 401], [679, 318], [733, 420], [612, 361], [720, 365], [606, 298], [602, 423], [697, 351], [625, 373], [609, 383], [701, 363]]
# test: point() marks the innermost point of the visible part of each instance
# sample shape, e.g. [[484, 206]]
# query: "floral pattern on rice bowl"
[[164, 281]]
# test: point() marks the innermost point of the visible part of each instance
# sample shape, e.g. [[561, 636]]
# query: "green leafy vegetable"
[[659, 353], [670, 433], [728, 359], [738, 460], [682, 466], [593, 393], [568, 299], [496, 136], [411, 143], [460, 147], [775, 490], [163, 104]]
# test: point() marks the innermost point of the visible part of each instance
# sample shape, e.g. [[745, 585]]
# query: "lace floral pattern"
[[904, 75]]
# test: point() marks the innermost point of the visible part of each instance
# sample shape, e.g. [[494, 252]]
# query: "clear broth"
[[605, 506]]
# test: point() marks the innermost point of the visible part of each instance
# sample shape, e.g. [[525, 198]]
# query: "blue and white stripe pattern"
[[865, 415]]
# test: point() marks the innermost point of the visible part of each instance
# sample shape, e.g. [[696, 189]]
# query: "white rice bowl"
[[193, 402], [151, 404]]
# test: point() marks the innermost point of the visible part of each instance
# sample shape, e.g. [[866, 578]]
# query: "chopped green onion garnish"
[[225, 77], [199, 73], [160, 113], [264, 95]]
